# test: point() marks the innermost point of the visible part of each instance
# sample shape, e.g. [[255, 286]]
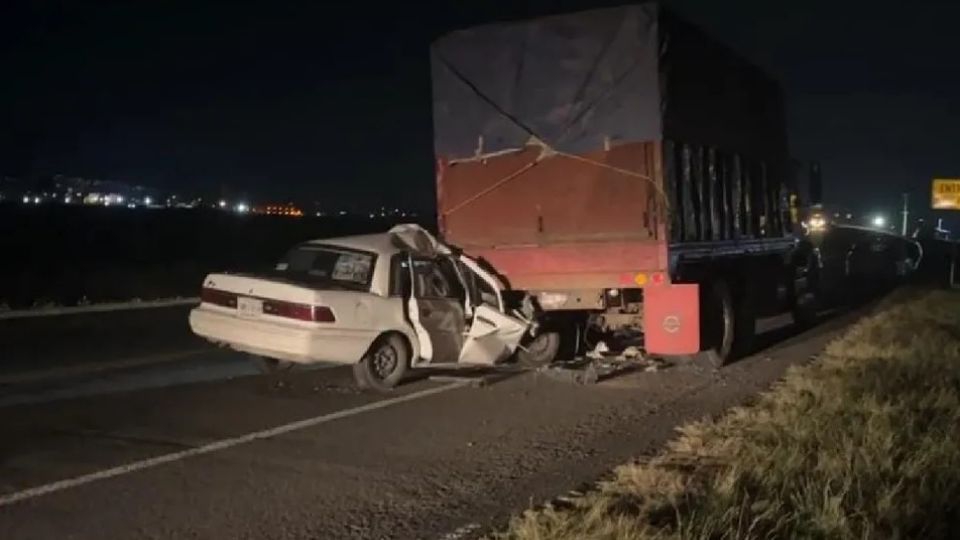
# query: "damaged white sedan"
[[382, 302]]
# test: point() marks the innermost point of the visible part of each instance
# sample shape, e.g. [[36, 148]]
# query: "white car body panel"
[[423, 337], [493, 337], [467, 333], [360, 318]]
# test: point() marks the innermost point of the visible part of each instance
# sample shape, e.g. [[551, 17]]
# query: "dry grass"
[[863, 443]]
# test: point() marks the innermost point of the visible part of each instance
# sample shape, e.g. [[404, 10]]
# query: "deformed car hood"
[[416, 239]]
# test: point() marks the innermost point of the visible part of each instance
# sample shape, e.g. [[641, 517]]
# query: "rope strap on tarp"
[[546, 150]]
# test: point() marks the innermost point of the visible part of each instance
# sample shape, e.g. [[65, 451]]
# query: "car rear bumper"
[[283, 342]]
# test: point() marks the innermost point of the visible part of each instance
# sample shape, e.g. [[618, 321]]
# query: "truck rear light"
[[613, 298], [300, 312], [218, 297]]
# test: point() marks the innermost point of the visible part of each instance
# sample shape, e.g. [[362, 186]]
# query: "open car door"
[[436, 309], [492, 338], [494, 335], [450, 290]]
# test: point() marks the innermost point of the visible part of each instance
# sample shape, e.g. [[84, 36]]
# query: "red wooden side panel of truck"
[[549, 222]]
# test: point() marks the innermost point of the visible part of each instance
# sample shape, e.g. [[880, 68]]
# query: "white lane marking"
[[59, 373], [96, 308], [224, 444], [173, 373]]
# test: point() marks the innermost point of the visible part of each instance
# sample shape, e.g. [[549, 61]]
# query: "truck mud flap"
[[671, 319]]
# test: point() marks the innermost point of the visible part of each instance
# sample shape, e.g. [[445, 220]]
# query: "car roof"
[[380, 243]]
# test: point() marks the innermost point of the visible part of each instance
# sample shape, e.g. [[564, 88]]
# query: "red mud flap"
[[671, 319]]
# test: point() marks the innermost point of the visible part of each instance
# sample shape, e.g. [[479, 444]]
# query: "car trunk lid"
[[268, 297]]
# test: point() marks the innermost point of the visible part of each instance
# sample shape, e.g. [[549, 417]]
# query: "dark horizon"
[[333, 102]]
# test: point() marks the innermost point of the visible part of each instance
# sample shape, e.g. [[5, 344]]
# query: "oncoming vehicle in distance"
[[382, 302]]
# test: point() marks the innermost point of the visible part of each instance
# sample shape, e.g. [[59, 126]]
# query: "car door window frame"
[[400, 275], [482, 274], [436, 270]]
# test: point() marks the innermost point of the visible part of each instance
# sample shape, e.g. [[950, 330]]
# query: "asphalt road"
[[126, 426]]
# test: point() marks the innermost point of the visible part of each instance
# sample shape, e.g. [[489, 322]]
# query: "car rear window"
[[326, 264]]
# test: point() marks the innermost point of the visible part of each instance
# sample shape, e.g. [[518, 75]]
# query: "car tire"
[[270, 366], [384, 366], [539, 351]]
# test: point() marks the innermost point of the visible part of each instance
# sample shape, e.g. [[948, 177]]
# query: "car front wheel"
[[384, 365]]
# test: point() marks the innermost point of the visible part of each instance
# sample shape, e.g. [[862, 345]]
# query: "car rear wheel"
[[270, 366], [384, 365]]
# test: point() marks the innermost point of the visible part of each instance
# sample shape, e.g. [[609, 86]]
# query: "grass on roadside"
[[862, 443]]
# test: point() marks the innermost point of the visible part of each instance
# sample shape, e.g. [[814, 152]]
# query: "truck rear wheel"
[[717, 324], [806, 302], [727, 326]]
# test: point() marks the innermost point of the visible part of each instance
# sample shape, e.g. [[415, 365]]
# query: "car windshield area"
[[327, 266]]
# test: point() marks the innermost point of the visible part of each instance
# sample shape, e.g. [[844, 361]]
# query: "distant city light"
[[242, 208], [26, 200], [36, 200], [879, 221], [120, 199], [148, 200], [223, 204], [67, 199]]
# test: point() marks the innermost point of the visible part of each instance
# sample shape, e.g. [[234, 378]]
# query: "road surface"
[[125, 426]]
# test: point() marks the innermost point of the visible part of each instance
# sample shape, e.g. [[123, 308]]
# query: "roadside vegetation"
[[862, 443]]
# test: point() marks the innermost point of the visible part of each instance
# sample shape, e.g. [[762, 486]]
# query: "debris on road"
[[599, 365]]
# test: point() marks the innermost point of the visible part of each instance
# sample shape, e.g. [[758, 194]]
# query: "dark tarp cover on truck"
[[584, 81], [632, 73]]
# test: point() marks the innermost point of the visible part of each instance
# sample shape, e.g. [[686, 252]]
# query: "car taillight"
[[301, 312], [323, 314], [218, 297]]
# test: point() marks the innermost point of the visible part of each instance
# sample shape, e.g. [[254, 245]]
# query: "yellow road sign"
[[946, 194]]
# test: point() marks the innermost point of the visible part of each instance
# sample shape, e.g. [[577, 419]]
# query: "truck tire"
[[807, 302], [385, 364], [727, 326], [717, 324], [539, 351]]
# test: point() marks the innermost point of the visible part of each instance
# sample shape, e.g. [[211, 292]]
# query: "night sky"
[[332, 102]]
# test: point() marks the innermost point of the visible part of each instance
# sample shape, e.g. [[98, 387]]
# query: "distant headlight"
[[817, 224]]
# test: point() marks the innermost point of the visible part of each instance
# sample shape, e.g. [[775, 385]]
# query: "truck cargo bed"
[[578, 149]]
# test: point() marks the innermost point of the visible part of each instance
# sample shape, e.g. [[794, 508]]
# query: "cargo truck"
[[628, 173]]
